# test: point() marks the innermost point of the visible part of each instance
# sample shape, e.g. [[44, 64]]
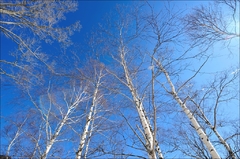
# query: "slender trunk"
[[18, 133], [143, 118], [88, 141], [231, 153], [224, 143], [88, 122], [157, 148], [194, 122], [53, 138], [90, 134], [197, 127]]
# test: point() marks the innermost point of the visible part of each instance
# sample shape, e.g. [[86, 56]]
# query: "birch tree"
[[39, 17], [124, 55], [54, 111], [210, 104], [171, 87], [213, 23], [190, 115], [218, 21], [220, 91], [26, 23], [61, 112], [97, 80], [174, 93]]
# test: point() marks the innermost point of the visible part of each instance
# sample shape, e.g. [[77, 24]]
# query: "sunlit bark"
[[148, 132], [52, 135], [223, 85], [90, 118], [189, 114]]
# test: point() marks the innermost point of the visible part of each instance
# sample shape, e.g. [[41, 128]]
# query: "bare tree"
[[125, 58], [188, 112], [54, 111], [28, 22], [214, 22], [97, 80], [220, 91], [209, 105], [39, 17], [19, 131], [170, 63], [14, 136]]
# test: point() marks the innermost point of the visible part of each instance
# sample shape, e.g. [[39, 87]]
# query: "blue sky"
[[90, 13]]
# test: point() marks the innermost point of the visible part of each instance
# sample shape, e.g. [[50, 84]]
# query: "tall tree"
[[96, 81], [127, 29]]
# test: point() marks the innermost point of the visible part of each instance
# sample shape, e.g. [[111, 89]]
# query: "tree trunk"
[[143, 118], [53, 138], [88, 122], [194, 122], [231, 153]]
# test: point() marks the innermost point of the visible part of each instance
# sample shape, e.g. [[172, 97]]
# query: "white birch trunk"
[[17, 134], [88, 122], [88, 141], [90, 134], [59, 127], [194, 122], [53, 138], [157, 148], [144, 121], [224, 143], [215, 131], [197, 127]]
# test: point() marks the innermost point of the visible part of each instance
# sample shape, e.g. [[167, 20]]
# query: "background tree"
[[172, 70], [41, 18], [217, 22], [53, 111], [28, 22], [222, 91], [214, 22]]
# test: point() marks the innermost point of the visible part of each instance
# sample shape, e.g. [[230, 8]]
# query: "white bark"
[[88, 122], [194, 122], [55, 135], [215, 131], [139, 106], [89, 136], [63, 122], [157, 148], [17, 134], [224, 143], [197, 127]]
